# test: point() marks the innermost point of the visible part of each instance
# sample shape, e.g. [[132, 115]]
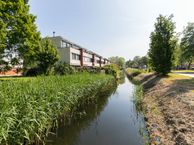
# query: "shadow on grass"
[[177, 85], [147, 77], [182, 85], [150, 81], [177, 91]]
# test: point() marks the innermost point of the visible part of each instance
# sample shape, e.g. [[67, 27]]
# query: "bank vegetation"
[[168, 106], [31, 106]]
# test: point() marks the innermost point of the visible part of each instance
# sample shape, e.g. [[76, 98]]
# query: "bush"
[[136, 72], [46, 56], [133, 72], [113, 69], [93, 70], [32, 72], [64, 69]]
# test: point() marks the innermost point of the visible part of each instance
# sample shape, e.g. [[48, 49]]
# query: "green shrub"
[[64, 69], [93, 70], [113, 69], [131, 72], [138, 97]]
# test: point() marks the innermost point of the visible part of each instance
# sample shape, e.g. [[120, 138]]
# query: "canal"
[[111, 120]]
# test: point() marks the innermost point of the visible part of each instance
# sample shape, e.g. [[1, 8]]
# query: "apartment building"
[[76, 55]]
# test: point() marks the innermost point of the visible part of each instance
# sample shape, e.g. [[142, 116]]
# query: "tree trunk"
[[189, 65]]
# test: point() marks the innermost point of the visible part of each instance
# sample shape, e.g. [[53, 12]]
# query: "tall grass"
[[30, 107], [138, 97]]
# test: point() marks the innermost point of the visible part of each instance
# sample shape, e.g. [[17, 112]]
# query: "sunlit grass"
[[134, 70], [131, 72], [173, 76], [29, 107], [183, 71]]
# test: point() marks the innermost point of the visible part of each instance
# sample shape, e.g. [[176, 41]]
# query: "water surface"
[[111, 120]]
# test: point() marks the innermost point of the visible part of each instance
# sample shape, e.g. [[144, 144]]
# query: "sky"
[[109, 27]]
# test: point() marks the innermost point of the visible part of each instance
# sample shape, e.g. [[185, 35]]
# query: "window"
[[87, 59], [98, 61], [65, 44], [75, 56]]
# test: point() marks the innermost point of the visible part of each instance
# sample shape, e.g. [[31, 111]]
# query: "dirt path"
[[169, 104]]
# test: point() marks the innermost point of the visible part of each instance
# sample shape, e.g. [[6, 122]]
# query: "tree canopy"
[[162, 45], [138, 62], [20, 36], [20, 42], [120, 61], [47, 56], [187, 44]]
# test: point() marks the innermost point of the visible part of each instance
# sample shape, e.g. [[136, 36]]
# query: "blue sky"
[[109, 27]]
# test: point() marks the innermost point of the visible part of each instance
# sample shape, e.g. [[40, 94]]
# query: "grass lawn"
[[183, 71]]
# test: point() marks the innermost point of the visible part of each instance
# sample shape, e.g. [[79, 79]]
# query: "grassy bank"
[[138, 97], [168, 105], [81, 117], [132, 72], [29, 107]]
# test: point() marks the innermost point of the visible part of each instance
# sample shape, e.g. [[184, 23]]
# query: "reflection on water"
[[121, 81], [111, 119]]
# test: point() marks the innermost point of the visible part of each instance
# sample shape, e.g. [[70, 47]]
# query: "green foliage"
[[138, 96], [131, 72], [2, 36], [130, 63], [3, 67], [138, 62], [64, 69], [163, 43], [178, 59], [20, 31], [120, 61], [134, 72], [113, 69], [29, 107], [46, 56], [187, 44]]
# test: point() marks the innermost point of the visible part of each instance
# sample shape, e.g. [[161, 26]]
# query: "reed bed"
[[30, 107]]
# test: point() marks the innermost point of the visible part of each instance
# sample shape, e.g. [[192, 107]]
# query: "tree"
[[47, 56], [2, 43], [120, 61], [138, 62], [162, 45], [22, 37], [129, 63], [143, 62], [187, 44], [178, 59], [2, 35]]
